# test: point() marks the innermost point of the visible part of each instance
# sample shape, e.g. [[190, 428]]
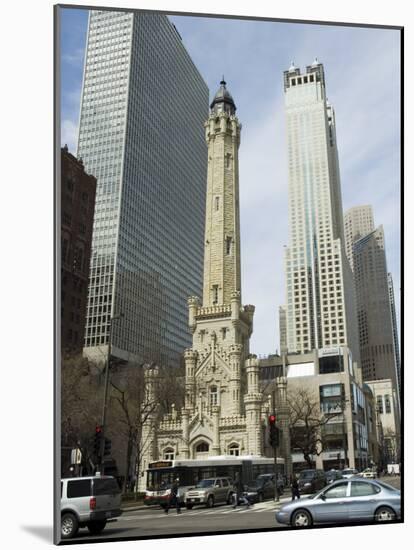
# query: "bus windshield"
[[161, 479]]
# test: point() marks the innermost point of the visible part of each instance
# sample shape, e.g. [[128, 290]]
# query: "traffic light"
[[273, 432], [107, 447], [97, 441]]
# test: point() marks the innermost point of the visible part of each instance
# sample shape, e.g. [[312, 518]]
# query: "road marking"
[[269, 506]]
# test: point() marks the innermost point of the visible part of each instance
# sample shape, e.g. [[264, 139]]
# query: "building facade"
[[387, 407], [140, 132], [224, 412], [77, 211], [395, 337], [333, 384], [373, 306], [319, 286]]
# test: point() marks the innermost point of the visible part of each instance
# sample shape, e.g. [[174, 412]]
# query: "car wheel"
[[210, 502], [189, 506], [230, 498], [384, 514], [96, 527], [260, 497], [69, 526], [301, 518]]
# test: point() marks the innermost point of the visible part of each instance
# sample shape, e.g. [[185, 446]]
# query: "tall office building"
[[320, 291], [358, 222], [365, 248], [373, 307], [395, 335], [141, 134]]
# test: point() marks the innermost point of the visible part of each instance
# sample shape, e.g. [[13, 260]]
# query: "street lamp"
[[105, 400]]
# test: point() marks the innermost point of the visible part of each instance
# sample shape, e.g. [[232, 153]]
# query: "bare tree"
[[80, 407], [307, 422], [132, 408]]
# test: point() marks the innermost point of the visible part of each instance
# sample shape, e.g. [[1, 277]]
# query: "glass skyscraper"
[[319, 286], [141, 134]]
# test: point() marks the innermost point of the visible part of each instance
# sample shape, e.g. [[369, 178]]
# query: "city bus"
[[162, 473]]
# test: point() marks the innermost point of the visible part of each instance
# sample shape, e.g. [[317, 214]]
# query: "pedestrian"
[[239, 493], [294, 487], [174, 497]]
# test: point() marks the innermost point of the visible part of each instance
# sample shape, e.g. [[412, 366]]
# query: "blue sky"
[[362, 71]]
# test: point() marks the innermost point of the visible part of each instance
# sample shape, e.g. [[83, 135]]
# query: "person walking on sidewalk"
[[174, 497], [239, 493], [295, 487]]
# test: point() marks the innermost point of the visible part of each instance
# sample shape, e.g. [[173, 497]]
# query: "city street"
[[152, 521]]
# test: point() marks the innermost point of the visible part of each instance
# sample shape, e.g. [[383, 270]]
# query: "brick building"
[[77, 210]]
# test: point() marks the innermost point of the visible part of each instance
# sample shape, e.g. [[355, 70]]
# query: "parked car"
[[368, 473], [263, 487], [347, 500], [332, 475], [88, 502], [349, 472], [311, 481], [211, 491]]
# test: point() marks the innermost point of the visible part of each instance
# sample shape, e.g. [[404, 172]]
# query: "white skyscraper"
[[320, 291]]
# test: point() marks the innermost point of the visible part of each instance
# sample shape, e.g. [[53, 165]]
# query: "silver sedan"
[[349, 500]]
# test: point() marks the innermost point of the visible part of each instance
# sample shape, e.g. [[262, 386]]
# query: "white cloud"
[[73, 58]]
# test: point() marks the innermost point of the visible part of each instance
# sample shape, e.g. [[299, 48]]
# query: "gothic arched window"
[[228, 245], [234, 449], [169, 454], [202, 447], [213, 396]]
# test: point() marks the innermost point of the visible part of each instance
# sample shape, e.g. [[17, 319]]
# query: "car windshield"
[[307, 474], [346, 472], [257, 482], [205, 483]]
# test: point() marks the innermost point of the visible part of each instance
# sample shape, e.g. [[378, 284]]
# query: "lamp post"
[[106, 385], [345, 431]]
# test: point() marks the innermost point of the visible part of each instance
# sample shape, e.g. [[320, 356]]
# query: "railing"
[[235, 420], [213, 310]]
